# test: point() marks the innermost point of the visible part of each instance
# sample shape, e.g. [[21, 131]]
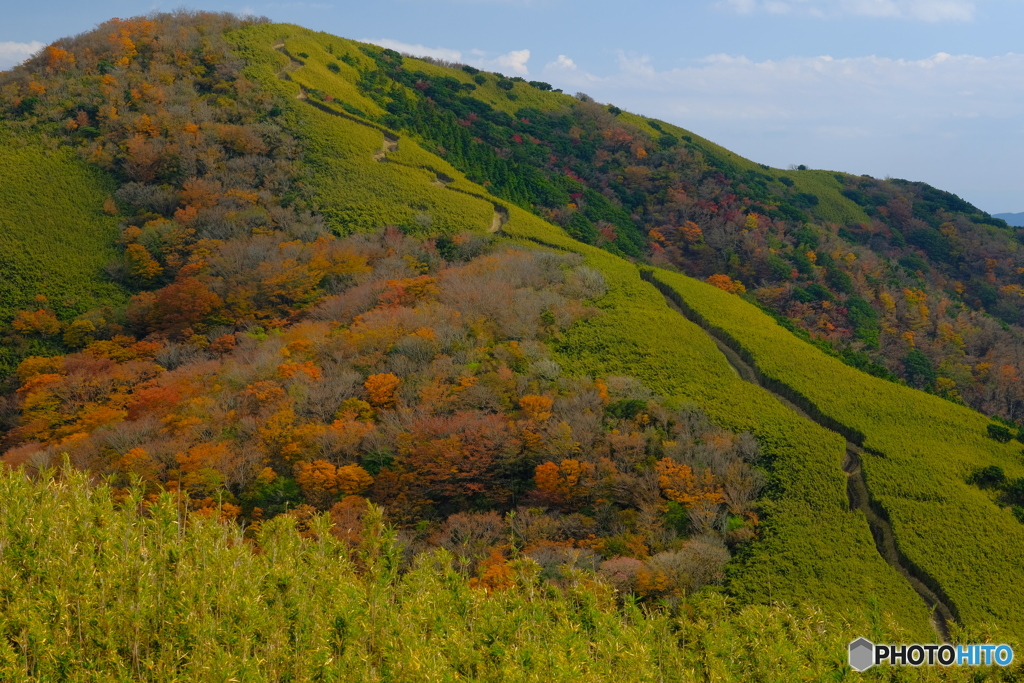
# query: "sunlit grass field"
[[922, 449]]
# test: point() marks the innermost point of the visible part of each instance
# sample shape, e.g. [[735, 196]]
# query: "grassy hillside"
[[360, 184], [332, 300], [639, 335], [837, 564], [55, 238], [921, 452], [850, 260]]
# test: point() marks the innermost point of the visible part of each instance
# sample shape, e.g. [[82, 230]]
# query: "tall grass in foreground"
[[92, 589]]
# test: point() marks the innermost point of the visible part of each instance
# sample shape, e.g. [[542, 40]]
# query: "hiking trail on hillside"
[[856, 487], [389, 143]]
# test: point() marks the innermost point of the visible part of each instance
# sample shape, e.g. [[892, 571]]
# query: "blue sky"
[[927, 90]]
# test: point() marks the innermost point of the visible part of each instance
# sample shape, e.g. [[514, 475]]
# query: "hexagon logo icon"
[[862, 654]]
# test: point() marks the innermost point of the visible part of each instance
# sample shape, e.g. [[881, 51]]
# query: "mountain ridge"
[[852, 336]]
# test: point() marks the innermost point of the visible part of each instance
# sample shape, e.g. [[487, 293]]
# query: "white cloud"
[[798, 88], [416, 50], [12, 54], [918, 10], [562, 62], [953, 120], [514, 61]]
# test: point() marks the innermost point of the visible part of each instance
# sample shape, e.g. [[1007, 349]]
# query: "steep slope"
[[836, 564], [896, 278], [824, 567], [919, 453]]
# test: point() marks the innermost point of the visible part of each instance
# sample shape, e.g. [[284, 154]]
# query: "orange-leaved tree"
[[536, 408], [353, 479], [681, 484], [494, 574], [726, 283], [409, 291], [318, 481], [564, 484], [380, 389]]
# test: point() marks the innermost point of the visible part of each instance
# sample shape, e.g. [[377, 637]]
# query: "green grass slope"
[[921, 451], [638, 335], [814, 547], [54, 237], [322, 53], [360, 184]]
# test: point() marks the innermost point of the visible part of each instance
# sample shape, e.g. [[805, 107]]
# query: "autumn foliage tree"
[[142, 268], [183, 304], [537, 408], [682, 485], [380, 389], [724, 282], [321, 482]]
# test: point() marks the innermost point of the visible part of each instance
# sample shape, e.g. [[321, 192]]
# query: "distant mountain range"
[[1014, 219]]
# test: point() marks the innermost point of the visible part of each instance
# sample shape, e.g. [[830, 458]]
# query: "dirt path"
[[885, 540], [293, 65], [390, 142], [499, 219], [856, 485]]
